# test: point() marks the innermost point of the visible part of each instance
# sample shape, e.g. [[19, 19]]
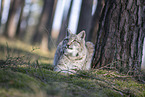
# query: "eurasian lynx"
[[73, 53]]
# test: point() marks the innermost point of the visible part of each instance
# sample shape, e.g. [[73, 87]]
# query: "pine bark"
[[119, 41]]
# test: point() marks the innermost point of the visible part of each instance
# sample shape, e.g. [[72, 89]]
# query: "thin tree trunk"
[[10, 27], [85, 16], [119, 41], [20, 19], [95, 21], [23, 33], [143, 2], [1, 10], [64, 24], [43, 29], [46, 42], [42, 20], [49, 25], [10, 18]]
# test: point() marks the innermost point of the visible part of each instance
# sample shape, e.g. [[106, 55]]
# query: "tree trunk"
[[143, 63], [20, 19], [41, 24], [10, 18], [119, 41], [65, 21], [23, 33], [43, 29], [46, 42], [49, 25], [95, 21], [10, 27], [1, 9], [85, 16]]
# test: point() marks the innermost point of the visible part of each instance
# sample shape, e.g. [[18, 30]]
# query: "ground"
[[26, 71]]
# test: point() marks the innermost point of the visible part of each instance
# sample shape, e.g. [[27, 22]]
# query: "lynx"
[[73, 53]]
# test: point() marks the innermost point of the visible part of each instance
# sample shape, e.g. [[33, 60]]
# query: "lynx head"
[[74, 45]]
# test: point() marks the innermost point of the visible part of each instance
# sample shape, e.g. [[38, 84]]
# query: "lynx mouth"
[[73, 57]]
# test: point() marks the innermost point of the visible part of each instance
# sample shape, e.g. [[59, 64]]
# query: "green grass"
[[27, 73]]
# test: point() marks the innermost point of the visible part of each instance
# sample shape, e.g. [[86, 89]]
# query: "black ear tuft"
[[68, 32], [82, 34]]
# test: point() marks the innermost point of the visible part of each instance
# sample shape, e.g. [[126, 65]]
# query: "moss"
[[57, 84], [101, 71], [39, 80], [111, 93], [17, 93], [47, 66], [10, 79], [132, 87]]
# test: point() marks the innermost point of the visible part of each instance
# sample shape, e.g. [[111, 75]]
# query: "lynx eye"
[[68, 46], [65, 40], [71, 48], [76, 41]]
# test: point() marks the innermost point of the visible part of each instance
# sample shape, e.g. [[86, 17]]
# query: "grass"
[[26, 72]]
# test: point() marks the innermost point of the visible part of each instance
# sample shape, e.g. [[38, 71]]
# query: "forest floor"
[[26, 71]]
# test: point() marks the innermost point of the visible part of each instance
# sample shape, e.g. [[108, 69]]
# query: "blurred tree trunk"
[[95, 21], [43, 29], [42, 21], [85, 16], [1, 9], [49, 45], [10, 17], [143, 2], [22, 3], [119, 41], [9, 30], [65, 21], [23, 33], [144, 31]]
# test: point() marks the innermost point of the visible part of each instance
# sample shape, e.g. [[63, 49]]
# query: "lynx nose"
[[67, 46], [69, 43]]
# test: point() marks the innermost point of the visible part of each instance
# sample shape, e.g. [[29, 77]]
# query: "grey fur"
[[73, 53]]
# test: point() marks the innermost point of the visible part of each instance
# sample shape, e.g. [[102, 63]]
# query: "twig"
[[117, 75], [108, 65], [43, 78]]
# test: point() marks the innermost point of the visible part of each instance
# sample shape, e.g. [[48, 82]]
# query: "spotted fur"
[[73, 53]]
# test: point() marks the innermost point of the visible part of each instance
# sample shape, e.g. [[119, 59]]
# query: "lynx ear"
[[68, 32], [82, 34]]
